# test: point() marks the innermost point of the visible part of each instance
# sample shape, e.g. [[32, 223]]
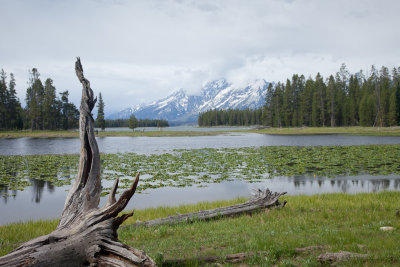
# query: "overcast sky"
[[138, 51]]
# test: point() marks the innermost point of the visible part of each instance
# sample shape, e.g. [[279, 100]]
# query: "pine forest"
[[343, 99]]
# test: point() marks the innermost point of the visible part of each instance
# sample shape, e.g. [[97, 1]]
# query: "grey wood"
[[261, 200]]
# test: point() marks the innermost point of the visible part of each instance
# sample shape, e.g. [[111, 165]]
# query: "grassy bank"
[[334, 221], [378, 131]]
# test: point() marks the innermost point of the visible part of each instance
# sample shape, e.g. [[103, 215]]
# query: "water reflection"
[[6, 194], [43, 200], [339, 184], [37, 188]]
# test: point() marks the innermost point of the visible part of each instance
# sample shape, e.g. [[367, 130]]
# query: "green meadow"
[[332, 222]]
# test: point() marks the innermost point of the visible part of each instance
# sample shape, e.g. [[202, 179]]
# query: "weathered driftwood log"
[[260, 200], [86, 234]]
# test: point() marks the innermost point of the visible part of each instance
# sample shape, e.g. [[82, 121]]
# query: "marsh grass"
[[336, 221]]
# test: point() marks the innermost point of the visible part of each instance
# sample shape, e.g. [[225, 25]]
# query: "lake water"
[[42, 200], [158, 145]]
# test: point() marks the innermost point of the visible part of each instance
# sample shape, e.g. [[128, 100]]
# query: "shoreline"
[[355, 130]]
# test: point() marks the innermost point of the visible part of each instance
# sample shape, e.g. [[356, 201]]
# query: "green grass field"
[[334, 221]]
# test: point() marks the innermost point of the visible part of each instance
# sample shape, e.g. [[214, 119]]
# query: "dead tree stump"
[[86, 235]]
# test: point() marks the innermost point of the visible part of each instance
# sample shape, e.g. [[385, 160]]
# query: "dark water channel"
[[42, 200]]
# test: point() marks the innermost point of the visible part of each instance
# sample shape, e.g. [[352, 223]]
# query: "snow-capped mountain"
[[180, 108]]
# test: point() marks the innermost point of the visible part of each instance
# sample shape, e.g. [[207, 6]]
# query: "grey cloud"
[[145, 49]]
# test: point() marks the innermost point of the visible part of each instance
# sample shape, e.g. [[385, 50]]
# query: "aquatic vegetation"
[[204, 166]]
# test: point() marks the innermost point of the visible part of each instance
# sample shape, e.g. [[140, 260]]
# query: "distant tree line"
[[152, 123], [44, 109], [117, 123], [140, 123], [230, 117], [341, 100]]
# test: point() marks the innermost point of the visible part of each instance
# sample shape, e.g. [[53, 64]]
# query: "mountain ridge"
[[181, 108]]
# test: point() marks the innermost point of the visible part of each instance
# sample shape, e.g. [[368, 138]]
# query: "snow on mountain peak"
[[178, 107]]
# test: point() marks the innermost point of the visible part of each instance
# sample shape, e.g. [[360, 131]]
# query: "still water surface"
[[159, 145], [42, 200]]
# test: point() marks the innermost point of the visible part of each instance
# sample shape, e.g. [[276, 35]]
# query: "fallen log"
[[86, 235], [260, 200]]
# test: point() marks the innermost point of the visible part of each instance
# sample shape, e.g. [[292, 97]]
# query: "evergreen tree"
[[267, 110], [354, 98], [133, 122], [331, 93], [397, 95], [298, 84], [100, 122], [69, 112], [306, 106], [367, 110], [315, 110], [320, 91], [277, 105], [393, 115], [14, 109], [34, 100], [50, 112], [3, 100], [384, 85], [287, 104]]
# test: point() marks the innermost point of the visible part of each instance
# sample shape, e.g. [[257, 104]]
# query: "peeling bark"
[[86, 235]]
